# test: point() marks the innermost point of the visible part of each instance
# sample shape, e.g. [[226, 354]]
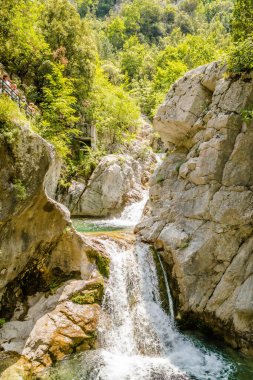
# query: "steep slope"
[[200, 210]]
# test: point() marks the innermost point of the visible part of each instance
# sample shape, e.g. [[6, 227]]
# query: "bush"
[[241, 57], [9, 112]]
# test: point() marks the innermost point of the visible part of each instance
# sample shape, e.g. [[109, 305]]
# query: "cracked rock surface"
[[115, 182], [201, 201]]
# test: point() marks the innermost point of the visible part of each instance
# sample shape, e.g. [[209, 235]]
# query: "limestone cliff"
[[39, 250], [199, 215]]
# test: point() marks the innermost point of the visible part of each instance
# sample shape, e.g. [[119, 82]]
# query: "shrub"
[[241, 56], [9, 112]]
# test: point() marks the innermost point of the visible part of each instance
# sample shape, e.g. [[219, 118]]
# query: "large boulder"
[[201, 201], [118, 179], [115, 182]]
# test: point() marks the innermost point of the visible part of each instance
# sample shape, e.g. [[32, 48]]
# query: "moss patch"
[[93, 293], [102, 261]]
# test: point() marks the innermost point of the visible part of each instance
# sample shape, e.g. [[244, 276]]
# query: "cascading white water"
[[138, 340]]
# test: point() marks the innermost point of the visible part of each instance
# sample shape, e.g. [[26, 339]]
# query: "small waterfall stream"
[[170, 300], [137, 339]]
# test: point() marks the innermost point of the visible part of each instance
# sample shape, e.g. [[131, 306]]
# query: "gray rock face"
[[115, 182], [33, 227], [201, 201]]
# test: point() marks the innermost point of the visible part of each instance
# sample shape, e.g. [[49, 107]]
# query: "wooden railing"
[[6, 89]]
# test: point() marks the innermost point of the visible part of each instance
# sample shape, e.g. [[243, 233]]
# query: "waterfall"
[[137, 340]]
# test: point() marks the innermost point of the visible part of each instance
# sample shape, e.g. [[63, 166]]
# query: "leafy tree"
[[132, 57], [115, 114], [58, 117], [63, 28], [242, 23], [22, 45], [86, 6], [241, 56], [104, 7], [117, 32]]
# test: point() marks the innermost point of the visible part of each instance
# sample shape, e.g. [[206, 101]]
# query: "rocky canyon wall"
[[199, 216], [46, 267]]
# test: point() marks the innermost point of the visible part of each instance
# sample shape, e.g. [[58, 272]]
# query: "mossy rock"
[[102, 261], [93, 293]]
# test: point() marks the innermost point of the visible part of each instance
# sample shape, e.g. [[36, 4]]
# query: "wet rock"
[[68, 327], [56, 324]]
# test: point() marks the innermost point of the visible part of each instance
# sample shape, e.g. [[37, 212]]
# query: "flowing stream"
[[138, 340]]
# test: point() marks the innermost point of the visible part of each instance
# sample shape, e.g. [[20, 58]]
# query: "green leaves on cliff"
[[115, 114], [241, 56]]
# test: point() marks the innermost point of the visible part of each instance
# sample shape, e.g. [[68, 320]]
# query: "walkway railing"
[[5, 88]]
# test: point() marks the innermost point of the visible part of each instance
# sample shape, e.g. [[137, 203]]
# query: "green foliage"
[[247, 115], [22, 44], [10, 117], [20, 190], [2, 322], [58, 115], [104, 6], [102, 261], [86, 6], [115, 114], [89, 161], [241, 55], [116, 32], [242, 23], [70, 40], [9, 113], [86, 297]]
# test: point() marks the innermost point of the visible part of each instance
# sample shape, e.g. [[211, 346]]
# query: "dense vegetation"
[[104, 62], [241, 57]]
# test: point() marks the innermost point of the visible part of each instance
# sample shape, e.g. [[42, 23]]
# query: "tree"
[[117, 32], [241, 56], [22, 44], [132, 57], [115, 114], [58, 109], [63, 28], [242, 22]]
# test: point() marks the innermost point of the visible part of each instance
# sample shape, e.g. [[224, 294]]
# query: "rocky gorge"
[[63, 292]]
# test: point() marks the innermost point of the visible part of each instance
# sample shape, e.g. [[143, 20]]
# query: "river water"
[[138, 340]]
